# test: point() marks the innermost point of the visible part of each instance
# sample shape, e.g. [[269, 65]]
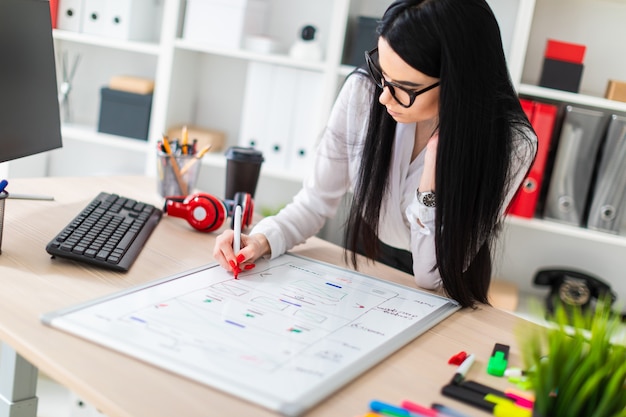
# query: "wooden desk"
[[33, 284]]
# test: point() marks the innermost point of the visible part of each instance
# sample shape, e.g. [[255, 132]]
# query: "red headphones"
[[206, 212]]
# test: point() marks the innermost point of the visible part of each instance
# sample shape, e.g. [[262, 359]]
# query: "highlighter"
[[498, 361]]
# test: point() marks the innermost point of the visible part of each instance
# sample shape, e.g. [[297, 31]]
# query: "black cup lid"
[[239, 153]]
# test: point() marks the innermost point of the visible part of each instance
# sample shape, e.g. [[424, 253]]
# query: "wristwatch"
[[427, 198]]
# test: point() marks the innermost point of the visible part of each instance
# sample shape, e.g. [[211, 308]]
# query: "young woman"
[[431, 140]]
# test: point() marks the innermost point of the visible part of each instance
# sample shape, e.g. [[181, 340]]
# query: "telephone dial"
[[573, 288], [207, 213]]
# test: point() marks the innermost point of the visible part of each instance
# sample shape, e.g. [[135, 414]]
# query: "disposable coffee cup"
[[176, 178], [243, 166]]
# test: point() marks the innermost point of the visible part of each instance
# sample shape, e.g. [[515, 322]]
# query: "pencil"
[[185, 138], [179, 179], [195, 159]]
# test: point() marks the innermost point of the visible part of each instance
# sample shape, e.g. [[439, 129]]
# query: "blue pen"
[[3, 185], [391, 410]]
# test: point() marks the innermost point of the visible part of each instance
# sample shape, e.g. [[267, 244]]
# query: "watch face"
[[427, 199]]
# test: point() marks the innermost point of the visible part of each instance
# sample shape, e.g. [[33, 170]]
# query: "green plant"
[[267, 211], [577, 367]]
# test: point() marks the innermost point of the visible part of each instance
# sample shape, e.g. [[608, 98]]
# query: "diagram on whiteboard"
[[290, 331]]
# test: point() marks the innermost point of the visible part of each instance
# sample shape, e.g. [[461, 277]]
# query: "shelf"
[[90, 135], [122, 45], [572, 98], [562, 229], [279, 59]]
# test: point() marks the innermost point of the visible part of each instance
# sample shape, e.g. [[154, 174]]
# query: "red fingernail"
[[249, 266], [232, 265], [240, 258]]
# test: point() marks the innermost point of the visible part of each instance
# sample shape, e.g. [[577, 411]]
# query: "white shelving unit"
[[197, 84], [529, 245]]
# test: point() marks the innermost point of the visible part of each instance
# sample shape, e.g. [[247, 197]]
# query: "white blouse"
[[335, 171]]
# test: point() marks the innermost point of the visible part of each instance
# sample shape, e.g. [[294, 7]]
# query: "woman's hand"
[[252, 248]]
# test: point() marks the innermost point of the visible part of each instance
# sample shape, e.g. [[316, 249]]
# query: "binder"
[[578, 145], [268, 111], [542, 117], [70, 15], [258, 88], [94, 20], [54, 11], [608, 204], [131, 20], [305, 125], [280, 116]]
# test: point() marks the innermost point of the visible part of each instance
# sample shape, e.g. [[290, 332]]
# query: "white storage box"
[[70, 15], [121, 19], [224, 23]]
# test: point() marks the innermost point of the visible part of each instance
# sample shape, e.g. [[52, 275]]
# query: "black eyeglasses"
[[403, 96]]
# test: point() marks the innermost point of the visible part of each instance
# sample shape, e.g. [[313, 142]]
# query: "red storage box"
[[565, 51]]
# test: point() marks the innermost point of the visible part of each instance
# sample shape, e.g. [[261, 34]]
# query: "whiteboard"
[[285, 335]]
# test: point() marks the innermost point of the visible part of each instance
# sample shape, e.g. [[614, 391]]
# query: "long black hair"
[[459, 42]]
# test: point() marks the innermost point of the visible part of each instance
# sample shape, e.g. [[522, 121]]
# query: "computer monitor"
[[29, 106]]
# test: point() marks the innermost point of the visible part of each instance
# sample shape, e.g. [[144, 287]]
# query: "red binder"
[[542, 118], [54, 7]]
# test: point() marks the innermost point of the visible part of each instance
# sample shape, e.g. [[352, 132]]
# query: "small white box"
[[70, 15], [224, 23], [121, 19]]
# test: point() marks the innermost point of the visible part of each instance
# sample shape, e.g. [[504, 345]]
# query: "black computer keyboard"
[[109, 232]]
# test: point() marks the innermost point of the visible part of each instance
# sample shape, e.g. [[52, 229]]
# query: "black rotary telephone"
[[573, 288]]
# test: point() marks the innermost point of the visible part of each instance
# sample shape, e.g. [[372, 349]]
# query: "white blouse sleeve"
[[422, 221], [332, 173], [422, 218]]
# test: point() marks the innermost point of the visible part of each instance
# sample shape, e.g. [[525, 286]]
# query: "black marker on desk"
[[461, 371]]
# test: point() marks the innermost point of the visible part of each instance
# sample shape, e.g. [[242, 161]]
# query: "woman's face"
[[397, 71]]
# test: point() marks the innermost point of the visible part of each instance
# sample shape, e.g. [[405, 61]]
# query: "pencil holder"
[[177, 174], [3, 197]]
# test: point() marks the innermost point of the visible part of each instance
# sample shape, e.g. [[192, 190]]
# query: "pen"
[[3, 185], [175, 168], [195, 159], [391, 410], [447, 411], [461, 371], [420, 409], [31, 197], [237, 235]]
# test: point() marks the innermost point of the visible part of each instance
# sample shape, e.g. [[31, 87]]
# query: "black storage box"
[[561, 75], [124, 114], [364, 39]]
